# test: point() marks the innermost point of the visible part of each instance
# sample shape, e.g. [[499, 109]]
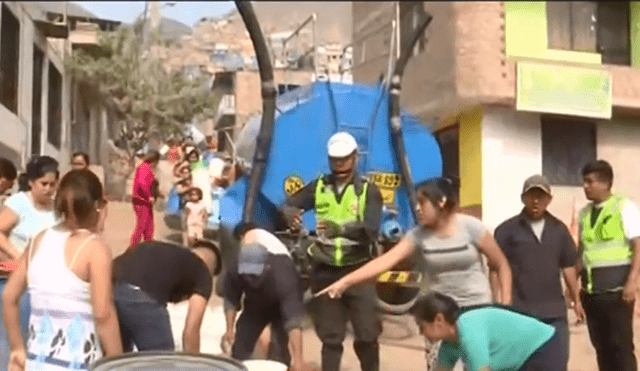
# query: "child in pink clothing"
[[142, 198], [195, 216]]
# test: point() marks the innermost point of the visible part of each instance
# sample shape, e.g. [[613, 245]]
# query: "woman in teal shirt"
[[488, 338]]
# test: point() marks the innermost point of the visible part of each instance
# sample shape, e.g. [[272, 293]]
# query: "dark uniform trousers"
[[610, 324], [357, 304]]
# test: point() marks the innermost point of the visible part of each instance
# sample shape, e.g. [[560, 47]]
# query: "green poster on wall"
[[574, 91]]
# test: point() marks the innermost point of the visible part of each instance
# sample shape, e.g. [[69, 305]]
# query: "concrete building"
[[220, 48], [34, 98], [91, 123], [517, 88], [240, 99]]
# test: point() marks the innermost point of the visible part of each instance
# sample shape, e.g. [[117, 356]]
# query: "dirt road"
[[401, 348]]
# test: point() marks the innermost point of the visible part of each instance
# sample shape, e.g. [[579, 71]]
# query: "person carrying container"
[[348, 210]]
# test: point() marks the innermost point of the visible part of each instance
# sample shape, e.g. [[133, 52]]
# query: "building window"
[[567, 145], [284, 88], [54, 127], [589, 26], [9, 59], [449, 142], [36, 102]]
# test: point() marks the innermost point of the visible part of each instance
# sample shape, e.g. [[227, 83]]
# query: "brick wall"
[[369, 60]]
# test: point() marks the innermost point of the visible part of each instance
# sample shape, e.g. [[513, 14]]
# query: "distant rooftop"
[[40, 9]]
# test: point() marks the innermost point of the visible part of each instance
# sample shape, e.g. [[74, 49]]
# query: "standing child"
[[183, 183], [195, 215], [142, 198]]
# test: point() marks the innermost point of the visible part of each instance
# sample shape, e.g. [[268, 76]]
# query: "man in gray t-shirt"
[[453, 264]]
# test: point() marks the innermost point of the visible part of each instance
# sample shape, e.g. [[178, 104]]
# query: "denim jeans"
[[143, 321], [25, 312]]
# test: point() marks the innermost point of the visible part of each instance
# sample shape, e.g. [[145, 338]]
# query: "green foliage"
[[146, 98]]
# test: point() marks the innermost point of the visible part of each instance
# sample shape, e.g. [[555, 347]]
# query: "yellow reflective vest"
[[340, 251], [604, 244]]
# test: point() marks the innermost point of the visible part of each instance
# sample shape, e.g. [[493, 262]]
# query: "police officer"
[[348, 210], [609, 243]]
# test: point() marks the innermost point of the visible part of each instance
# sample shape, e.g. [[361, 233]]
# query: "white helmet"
[[341, 144]]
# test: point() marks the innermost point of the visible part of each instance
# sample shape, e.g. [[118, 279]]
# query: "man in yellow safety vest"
[[609, 232], [348, 210]]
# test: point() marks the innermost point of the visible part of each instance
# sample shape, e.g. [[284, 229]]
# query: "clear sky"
[[187, 12]]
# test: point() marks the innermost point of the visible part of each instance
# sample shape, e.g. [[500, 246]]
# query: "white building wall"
[[511, 152], [618, 142]]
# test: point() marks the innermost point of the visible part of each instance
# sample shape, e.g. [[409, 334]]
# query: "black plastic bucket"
[[167, 361]]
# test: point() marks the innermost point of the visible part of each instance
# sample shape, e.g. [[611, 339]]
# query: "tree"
[[145, 97]]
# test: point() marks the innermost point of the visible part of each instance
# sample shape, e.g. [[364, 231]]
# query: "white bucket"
[[264, 365]]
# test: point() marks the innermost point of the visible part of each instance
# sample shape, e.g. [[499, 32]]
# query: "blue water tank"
[[305, 120]]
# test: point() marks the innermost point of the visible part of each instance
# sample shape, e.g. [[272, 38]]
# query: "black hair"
[[186, 157], [438, 189], [211, 246], [428, 306], [151, 157], [8, 170], [84, 156], [602, 168], [39, 166], [79, 194], [197, 190], [23, 183]]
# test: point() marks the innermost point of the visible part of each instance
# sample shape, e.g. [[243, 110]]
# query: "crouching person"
[[265, 274], [487, 338], [153, 274]]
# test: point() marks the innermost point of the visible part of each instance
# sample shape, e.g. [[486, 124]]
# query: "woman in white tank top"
[[67, 270]]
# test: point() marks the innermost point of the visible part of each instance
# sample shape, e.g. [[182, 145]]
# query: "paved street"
[[400, 344]]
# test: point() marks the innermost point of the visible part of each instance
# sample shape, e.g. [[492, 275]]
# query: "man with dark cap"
[[264, 273], [538, 246]]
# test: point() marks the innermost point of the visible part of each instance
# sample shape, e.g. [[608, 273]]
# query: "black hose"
[[263, 141], [394, 114]]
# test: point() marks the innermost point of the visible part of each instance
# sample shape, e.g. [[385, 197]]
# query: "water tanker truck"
[[286, 148]]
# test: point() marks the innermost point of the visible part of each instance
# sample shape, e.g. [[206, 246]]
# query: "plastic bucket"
[[264, 365], [167, 361]]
